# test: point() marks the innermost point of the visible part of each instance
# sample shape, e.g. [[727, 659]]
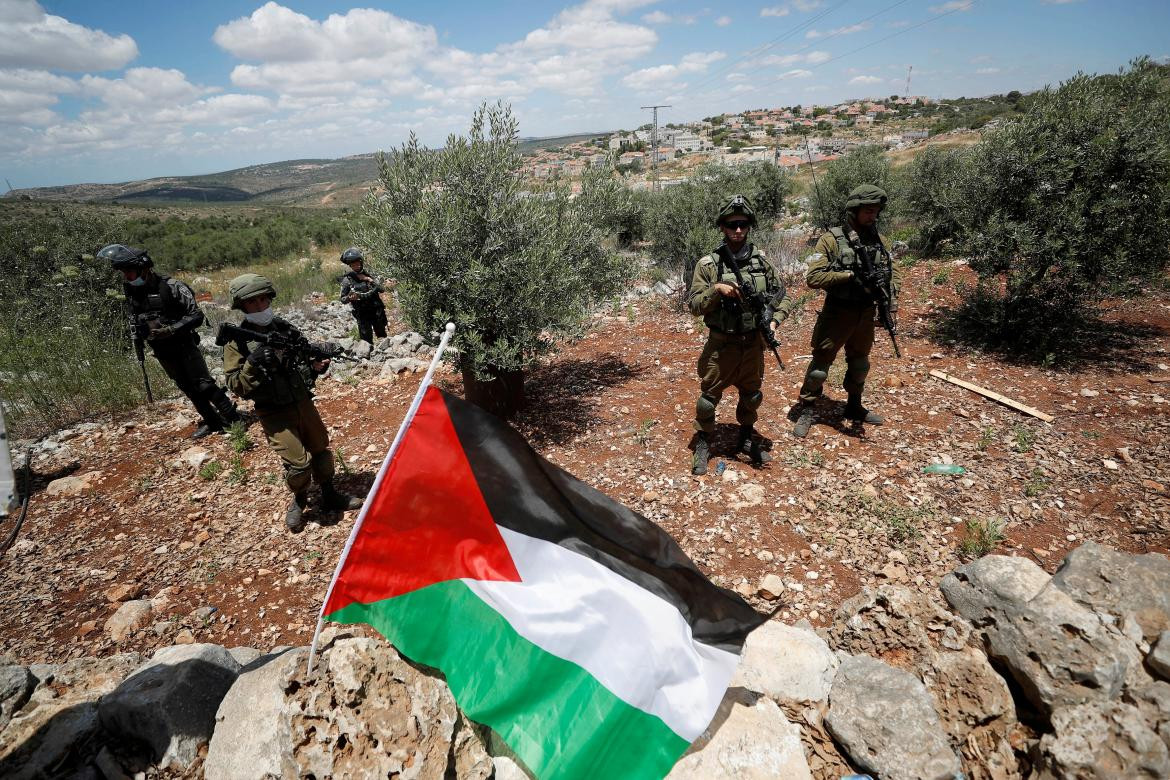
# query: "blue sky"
[[114, 91]]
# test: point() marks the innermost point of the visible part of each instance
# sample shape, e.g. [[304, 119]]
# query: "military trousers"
[[730, 361], [371, 322], [298, 435], [840, 325], [186, 367]]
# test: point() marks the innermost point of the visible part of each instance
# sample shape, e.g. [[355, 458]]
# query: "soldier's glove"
[[262, 357], [160, 333]]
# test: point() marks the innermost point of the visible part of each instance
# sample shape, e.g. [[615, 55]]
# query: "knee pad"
[[818, 374], [705, 407], [297, 477], [752, 400], [206, 387], [858, 364]]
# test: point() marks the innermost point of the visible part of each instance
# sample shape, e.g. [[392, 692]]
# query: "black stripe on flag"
[[529, 495]]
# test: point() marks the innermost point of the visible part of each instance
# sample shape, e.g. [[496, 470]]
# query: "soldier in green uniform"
[[363, 292], [281, 386], [847, 318], [734, 353], [164, 314]]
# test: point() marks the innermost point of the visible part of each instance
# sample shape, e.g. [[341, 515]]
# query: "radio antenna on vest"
[[812, 168]]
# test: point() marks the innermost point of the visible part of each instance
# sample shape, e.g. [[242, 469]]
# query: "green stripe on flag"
[[558, 719]]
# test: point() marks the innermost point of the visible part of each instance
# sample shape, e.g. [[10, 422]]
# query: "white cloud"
[[865, 80], [775, 10], [35, 39], [142, 86], [723, 21], [812, 58], [798, 73], [987, 71], [806, 5], [663, 77], [741, 88], [838, 31], [27, 96], [656, 17], [954, 5]]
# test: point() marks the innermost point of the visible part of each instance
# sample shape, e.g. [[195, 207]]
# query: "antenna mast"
[[909, 70], [654, 141]]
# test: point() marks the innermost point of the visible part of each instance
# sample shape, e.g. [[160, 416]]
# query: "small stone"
[[1153, 487], [125, 592], [1123, 453], [87, 628], [160, 550], [771, 586], [649, 496], [185, 637], [811, 575], [184, 546], [202, 537], [1087, 393], [1111, 464]]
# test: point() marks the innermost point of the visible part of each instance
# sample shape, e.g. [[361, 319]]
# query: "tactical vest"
[[847, 260], [368, 305], [281, 386], [160, 302], [732, 317]]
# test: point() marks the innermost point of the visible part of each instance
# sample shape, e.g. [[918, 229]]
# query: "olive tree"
[[863, 165], [1067, 204], [516, 268]]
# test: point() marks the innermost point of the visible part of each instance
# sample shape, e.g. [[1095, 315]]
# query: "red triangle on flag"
[[428, 521]]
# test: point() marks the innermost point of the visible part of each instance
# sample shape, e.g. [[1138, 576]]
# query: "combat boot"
[[749, 443], [855, 412], [702, 455], [294, 517], [205, 430], [804, 419], [336, 501]]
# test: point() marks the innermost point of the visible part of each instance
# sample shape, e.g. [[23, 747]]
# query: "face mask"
[[260, 317], [137, 282]]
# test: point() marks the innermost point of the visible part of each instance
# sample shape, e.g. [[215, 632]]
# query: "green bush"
[[468, 241], [64, 348], [932, 195], [863, 165], [680, 220], [1064, 206]]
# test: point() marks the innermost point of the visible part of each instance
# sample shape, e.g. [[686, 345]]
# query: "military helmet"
[[352, 255], [866, 195], [736, 204], [247, 286], [124, 258]]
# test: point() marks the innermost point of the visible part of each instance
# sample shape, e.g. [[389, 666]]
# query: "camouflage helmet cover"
[[736, 204], [866, 195], [352, 255], [247, 286], [124, 258]]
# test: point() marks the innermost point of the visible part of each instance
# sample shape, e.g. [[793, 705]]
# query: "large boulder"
[[362, 712], [885, 720], [55, 732], [749, 739], [16, 685], [1059, 652], [786, 663], [169, 703], [1102, 741], [1159, 658], [911, 631], [1133, 589]]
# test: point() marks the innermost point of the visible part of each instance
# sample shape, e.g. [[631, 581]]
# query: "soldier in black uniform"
[[164, 314], [363, 293]]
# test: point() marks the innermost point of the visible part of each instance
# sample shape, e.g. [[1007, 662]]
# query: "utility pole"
[[654, 144], [909, 70]]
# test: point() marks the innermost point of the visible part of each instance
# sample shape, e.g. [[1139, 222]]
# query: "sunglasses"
[[737, 224]]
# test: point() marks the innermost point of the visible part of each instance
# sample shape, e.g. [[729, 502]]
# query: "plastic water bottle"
[[944, 468]]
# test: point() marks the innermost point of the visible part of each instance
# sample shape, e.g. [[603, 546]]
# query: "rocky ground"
[[137, 538]]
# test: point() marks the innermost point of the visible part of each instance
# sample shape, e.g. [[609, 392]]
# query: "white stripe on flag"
[[634, 643]]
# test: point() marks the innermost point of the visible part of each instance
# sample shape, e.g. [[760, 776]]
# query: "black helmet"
[[124, 258], [352, 255], [736, 204]]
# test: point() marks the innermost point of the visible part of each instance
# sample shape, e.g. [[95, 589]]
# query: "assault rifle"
[[291, 349], [140, 326], [876, 283], [759, 305]]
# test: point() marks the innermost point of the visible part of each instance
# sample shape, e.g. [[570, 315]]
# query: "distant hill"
[[339, 182]]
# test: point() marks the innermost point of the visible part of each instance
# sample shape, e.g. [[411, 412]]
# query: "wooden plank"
[[1003, 399], [1158, 379]]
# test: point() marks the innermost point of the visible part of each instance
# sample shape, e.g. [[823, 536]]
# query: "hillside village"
[[787, 136]]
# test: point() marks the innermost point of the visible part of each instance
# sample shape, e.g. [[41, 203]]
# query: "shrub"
[[680, 221], [1067, 204], [469, 242], [863, 165], [932, 195]]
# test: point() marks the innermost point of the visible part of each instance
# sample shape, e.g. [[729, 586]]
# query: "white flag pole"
[[357, 526]]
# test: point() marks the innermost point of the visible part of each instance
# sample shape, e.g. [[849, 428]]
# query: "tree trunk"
[[502, 395]]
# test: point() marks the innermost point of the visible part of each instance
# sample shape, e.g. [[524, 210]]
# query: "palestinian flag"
[[574, 627]]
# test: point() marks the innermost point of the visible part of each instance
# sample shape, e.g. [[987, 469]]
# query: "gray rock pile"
[[1025, 676]]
